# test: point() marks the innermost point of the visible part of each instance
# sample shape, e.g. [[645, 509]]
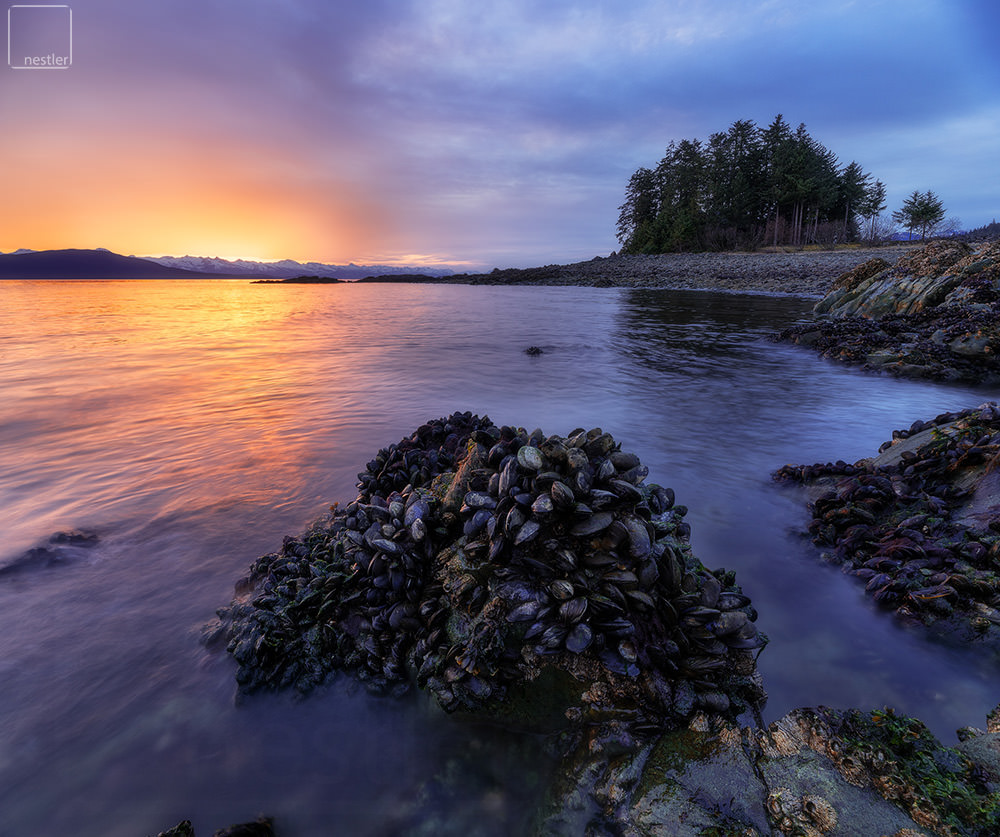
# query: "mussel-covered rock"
[[919, 524], [475, 557]]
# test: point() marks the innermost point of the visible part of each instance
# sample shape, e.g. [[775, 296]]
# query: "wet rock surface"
[[477, 560], [919, 524], [812, 772], [935, 314]]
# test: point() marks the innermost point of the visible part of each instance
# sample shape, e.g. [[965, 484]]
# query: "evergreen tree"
[[638, 214], [854, 186], [741, 184], [736, 185], [921, 210], [986, 232], [682, 181], [777, 144], [932, 214]]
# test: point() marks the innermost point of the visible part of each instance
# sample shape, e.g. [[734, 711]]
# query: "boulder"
[[918, 281], [934, 314], [504, 571]]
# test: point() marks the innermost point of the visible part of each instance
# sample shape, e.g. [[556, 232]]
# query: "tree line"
[[750, 186]]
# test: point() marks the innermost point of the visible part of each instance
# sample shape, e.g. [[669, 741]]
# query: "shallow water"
[[193, 424]]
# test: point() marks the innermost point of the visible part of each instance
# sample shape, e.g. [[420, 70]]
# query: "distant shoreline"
[[800, 273], [301, 280], [808, 273]]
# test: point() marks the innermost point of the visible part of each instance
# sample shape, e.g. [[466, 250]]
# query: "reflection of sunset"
[[216, 374]]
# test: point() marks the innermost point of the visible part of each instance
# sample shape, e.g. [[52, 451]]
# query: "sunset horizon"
[[406, 260], [433, 134]]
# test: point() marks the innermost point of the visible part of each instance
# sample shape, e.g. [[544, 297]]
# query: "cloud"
[[480, 131], [953, 157]]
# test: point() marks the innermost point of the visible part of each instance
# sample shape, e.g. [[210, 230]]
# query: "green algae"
[[926, 779]]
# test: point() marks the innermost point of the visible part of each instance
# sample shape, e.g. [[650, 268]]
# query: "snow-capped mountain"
[[287, 268]]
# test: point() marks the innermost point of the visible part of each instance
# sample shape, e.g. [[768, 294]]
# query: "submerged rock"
[[500, 570], [934, 314], [60, 549], [919, 523]]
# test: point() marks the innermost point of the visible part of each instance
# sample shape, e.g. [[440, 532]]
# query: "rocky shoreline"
[[813, 772], [800, 273], [934, 314], [538, 581], [919, 523]]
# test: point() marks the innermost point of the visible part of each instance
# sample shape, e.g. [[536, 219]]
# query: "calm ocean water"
[[193, 424]]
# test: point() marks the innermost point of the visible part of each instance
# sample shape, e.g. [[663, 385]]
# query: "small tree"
[[908, 215], [923, 211]]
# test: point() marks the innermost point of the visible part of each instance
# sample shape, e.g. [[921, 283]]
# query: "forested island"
[[748, 187]]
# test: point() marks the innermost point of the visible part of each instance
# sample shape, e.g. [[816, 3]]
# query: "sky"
[[453, 132]]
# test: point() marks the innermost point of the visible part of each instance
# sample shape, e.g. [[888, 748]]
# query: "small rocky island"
[[934, 314]]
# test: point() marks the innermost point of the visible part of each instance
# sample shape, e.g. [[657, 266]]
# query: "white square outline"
[[47, 6]]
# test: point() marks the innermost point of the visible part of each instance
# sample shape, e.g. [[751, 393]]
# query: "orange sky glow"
[[156, 197]]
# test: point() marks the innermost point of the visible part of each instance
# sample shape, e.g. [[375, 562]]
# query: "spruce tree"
[[921, 210], [740, 186]]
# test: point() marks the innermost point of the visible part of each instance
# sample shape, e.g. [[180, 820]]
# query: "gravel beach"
[[803, 273]]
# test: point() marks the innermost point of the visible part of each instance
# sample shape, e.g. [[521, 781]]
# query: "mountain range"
[[287, 268], [85, 264], [103, 264]]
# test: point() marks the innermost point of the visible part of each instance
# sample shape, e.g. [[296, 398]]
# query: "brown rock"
[[850, 280]]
